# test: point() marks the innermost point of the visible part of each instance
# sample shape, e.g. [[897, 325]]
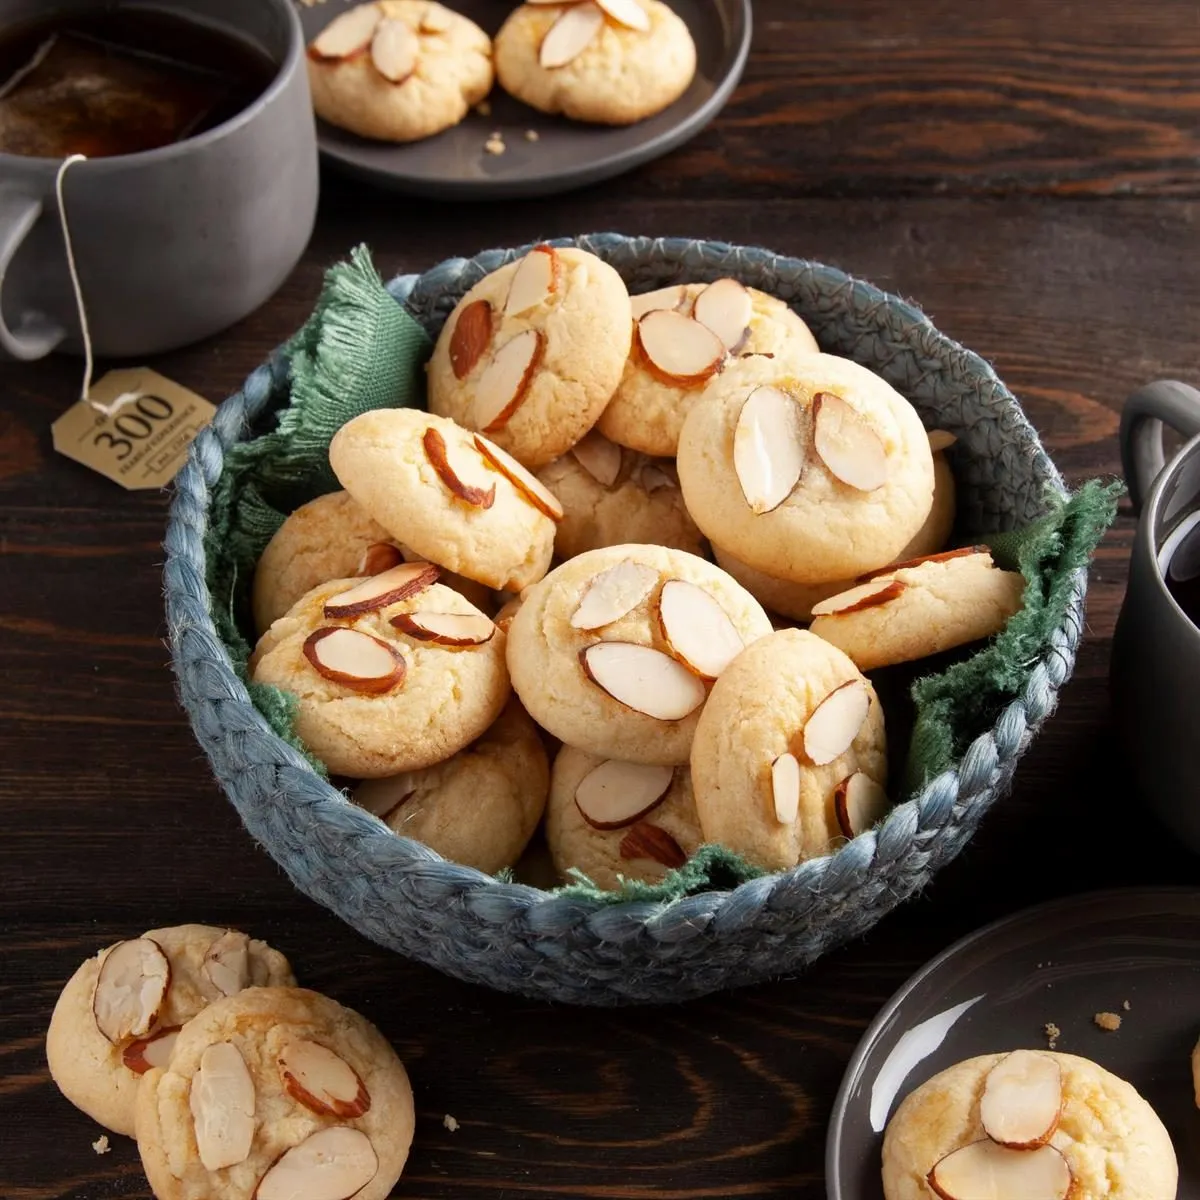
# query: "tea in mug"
[[1181, 570], [119, 81]]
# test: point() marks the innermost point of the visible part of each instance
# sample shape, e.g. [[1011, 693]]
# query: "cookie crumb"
[[1110, 1022], [1053, 1033], [495, 144], [100, 1145], [449, 1122], [483, 108], [532, 135], [1126, 1005]]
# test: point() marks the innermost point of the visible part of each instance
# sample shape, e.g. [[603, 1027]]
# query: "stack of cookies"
[[526, 570]]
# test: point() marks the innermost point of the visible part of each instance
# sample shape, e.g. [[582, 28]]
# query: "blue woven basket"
[[585, 951]]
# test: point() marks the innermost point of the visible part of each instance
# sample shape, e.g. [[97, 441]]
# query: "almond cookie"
[[922, 607], [1030, 1124], [614, 820], [390, 674], [119, 1013], [790, 754], [612, 496], [809, 467], [399, 70], [532, 353], [612, 62], [478, 808], [451, 495], [796, 600], [683, 336], [276, 1094], [615, 651]]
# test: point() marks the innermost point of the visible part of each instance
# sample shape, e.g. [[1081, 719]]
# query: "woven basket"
[[588, 951]]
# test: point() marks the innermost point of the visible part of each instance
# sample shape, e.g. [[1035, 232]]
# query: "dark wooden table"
[[1028, 172]]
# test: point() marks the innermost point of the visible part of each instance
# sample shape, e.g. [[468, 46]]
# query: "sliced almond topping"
[[785, 788], [615, 794], [678, 350], [768, 448], [436, 19], [535, 278], [859, 803], [388, 587], [835, 722], [570, 35], [347, 35], [855, 599], [453, 476], [505, 380], [334, 1163], [648, 841], [940, 439], [725, 308], [471, 337], [984, 1171], [626, 12], [152, 1051], [222, 1104], [355, 660], [526, 483], [130, 987], [379, 557], [643, 679], [394, 51], [322, 1081], [697, 629], [614, 592], [847, 445], [943, 556], [653, 477], [673, 297], [1022, 1100], [227, 964], [599, 457], [447, 629]]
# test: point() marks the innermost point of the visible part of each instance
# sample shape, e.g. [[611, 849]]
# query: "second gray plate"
[[996, 989], [567, 154]]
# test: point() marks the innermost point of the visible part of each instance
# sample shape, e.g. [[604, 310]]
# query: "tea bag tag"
[[134, 427]]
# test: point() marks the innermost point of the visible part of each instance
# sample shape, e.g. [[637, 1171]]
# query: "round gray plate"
[[997, 988], [454, 165]]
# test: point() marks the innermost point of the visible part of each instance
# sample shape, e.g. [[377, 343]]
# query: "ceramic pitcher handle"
[[1142, 458], [35, 334]]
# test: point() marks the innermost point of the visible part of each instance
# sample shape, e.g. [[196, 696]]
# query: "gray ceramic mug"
[[174, 244], [1156, 652]]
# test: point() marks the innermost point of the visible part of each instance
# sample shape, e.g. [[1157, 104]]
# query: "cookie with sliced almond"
[[790, 754], [616, 650], [120, 1012], [283, 1090], [809, 467], [398, 70], [390, 673], [532, 353], [926, 606], [685, 336]]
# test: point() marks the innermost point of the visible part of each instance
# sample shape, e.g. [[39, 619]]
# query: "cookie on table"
[[390, 674], [612, 62], [810, 467], [790, 753], [611, 819], [796, 600], [683, 336], [276, 1094], [912, 610], [612, 496], [478, 808], [1086, 1133], [452, 496], [615, 651], [119, 1013], [533, 352], [399, 70]]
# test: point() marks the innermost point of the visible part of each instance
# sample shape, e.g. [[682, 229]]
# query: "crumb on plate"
[[1110, 1022], [1053, 1033], [100, 1145], [449, 1122]]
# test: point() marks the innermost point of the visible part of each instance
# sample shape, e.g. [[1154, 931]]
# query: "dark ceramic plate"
[[454, 165], [996, 990]]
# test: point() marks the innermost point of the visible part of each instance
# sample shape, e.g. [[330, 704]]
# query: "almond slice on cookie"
[[847, 445], [599, 457], [858, 803], [355, 660], [697, 629], [768, 448], [506, 379], [679, 350], [571, 35], [643, 679], [348, 34], [394, 51], [130, 989], [534, 281], [615, 794], [725, 307], [613, 593], [834, 724]]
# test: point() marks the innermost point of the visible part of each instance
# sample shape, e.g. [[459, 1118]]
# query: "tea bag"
[[81, 95]]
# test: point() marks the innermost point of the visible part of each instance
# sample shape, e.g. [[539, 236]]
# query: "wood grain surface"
[[1025, 172]]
